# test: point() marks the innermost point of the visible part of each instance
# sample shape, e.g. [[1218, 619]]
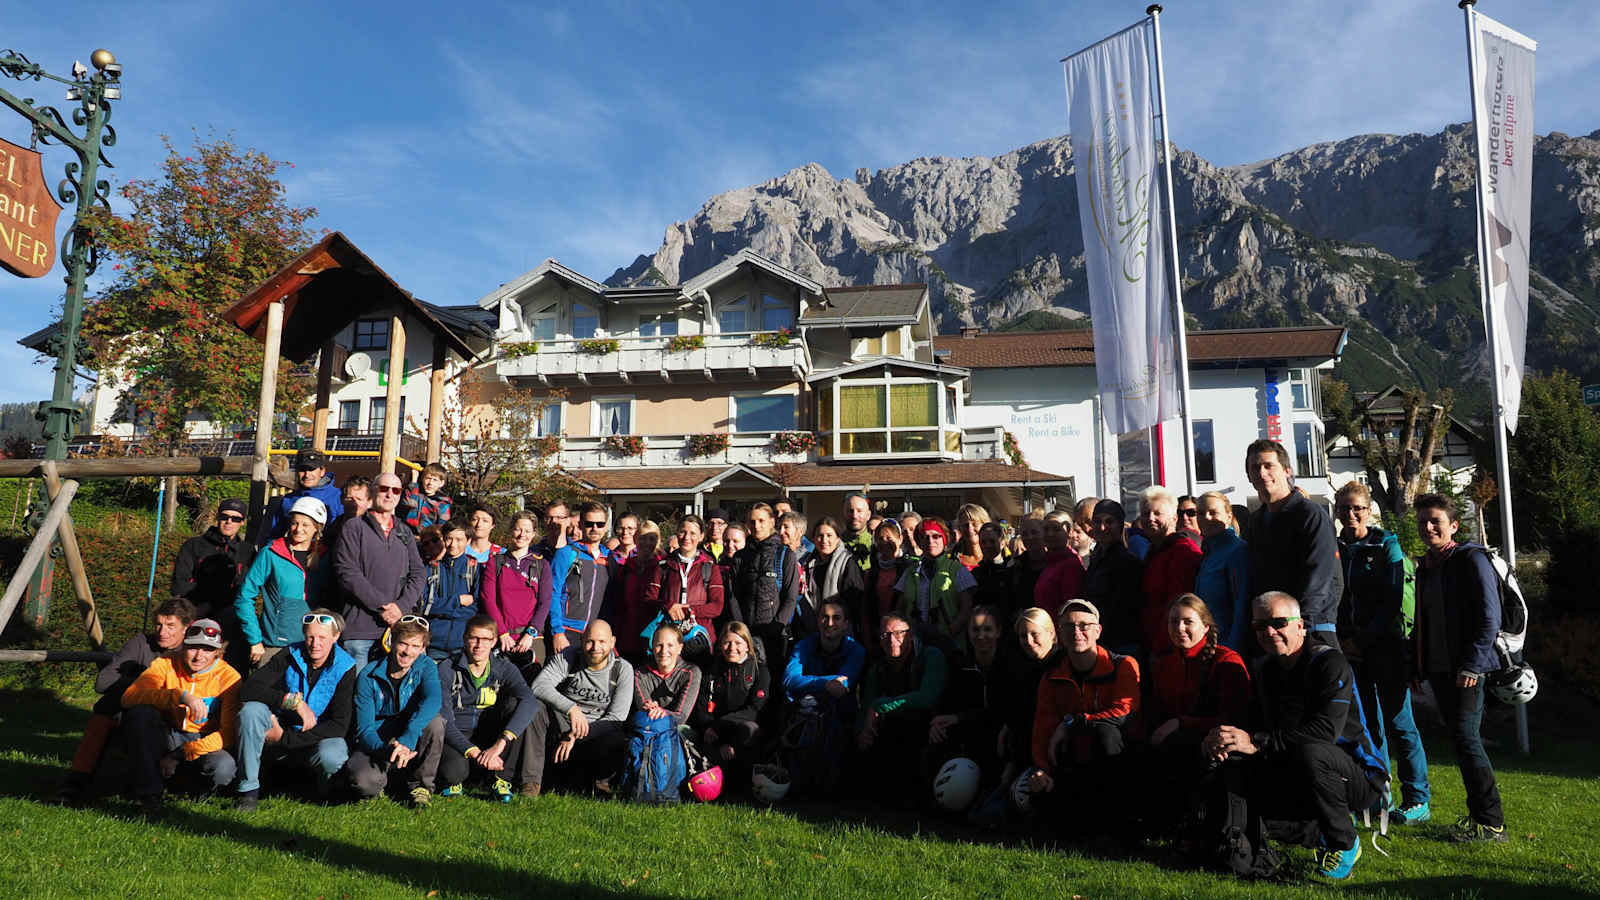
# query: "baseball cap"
[[717, 512], [1082, 606], [204, 633], [233, 505], [310, 458]]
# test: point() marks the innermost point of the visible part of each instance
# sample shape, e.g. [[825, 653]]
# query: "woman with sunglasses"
[[287, 579]]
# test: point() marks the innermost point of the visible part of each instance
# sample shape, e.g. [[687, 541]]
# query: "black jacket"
[[1114, 583], [209, 570], [732, 693], [766, 586], [995, 588], [267, 685], [126, 667], [977, 696], [1295, 550], [459, 706], [1309, 701]]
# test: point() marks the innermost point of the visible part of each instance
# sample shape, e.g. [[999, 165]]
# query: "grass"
[[585, 847]]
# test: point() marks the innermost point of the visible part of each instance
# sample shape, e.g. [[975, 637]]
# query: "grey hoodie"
[[373, 569]]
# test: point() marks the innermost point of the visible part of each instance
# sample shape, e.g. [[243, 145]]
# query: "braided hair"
[[1193, 602]]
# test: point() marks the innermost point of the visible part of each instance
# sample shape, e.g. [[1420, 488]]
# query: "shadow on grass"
[[1459, 886]]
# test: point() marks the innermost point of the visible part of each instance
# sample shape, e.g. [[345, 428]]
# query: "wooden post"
[[36, 551], [260, 475], [391, 409], [319, 419], [436, 399], [169, 515], [75, 567]]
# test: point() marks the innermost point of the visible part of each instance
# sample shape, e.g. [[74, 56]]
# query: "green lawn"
[[583, 847]]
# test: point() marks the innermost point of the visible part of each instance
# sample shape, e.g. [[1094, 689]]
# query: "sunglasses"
[[230, 518], [418, 620], [901, 634], [390, 489], [1188, 513], [210, 631], [594, 524], [1349, 507], [1276, 623], [318, 619]]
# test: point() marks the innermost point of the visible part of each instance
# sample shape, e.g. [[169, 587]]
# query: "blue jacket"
[[503, 689], [278, 511], [287, 593], [1223, 582], [809, 670], [1472, 617], [573, 605], [441, 601], [384, 714]]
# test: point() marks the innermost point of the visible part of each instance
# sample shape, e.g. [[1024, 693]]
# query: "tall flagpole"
[[1181, 332], [1508, 543]]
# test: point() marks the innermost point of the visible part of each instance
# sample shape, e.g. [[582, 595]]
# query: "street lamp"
[[92, 92]]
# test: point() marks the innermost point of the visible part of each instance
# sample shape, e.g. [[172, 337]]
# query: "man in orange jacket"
[[183, 712], [1086, 704]]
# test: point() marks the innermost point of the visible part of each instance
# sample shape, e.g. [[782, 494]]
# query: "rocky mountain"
[[1375, 232]]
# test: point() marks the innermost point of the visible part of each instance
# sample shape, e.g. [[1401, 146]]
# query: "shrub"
[[683, 343], [1013, 450]]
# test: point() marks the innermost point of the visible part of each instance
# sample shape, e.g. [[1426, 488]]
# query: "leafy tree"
[[196, 239], [1397, 466], [1555, 479]]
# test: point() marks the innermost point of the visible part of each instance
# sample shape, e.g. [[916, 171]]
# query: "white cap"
[[311, 508]]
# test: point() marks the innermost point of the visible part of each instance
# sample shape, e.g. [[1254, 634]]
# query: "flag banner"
[[1112, 119], [1502, 78]]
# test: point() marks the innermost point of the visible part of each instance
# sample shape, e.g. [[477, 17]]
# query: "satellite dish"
[[357, 364]]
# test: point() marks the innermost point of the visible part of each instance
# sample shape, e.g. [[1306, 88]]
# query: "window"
[[763, 412], [549, 419], [375, 413], [1205, 451], [1308, 458], [776, 314], [895, 417], [734, 316], [544, 325], [872, 346], [613, 415], [350, 414], [371, 334], [1306, 389], [665, 325], [585, 321]]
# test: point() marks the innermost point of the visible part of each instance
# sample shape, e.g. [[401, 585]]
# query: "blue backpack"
[[656, 765]]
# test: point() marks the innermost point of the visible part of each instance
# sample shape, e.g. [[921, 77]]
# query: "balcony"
[[672, 450], [649, 360]]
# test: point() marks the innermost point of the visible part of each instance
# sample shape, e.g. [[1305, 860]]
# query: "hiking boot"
[[453, 790], [1336, 864], [1468, 830], [152, 807], [531, 791], [248, 801], [420, 797], [1411, 814], [602, 786], [502, 789], [74, 791]]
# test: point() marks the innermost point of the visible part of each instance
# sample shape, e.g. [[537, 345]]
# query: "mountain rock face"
[[1375, 232]]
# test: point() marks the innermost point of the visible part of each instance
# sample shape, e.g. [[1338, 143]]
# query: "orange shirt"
[[1110, 690], [164, 683]]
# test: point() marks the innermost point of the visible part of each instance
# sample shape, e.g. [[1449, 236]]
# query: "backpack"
[[1513, 632], [1406, 622], [656, 765], [812, 745]]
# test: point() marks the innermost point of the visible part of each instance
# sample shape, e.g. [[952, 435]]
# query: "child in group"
[[429, 505]]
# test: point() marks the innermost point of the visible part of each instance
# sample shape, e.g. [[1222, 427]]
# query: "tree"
[[1397, 444], [490, 442], [1555, 483], [196, 239]]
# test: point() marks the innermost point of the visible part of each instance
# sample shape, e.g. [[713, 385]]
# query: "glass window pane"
[[775, 314], [824, 420], [350, 414], [861, 406], [1307, 451], [1205, 451], [585, 322], [550, 419], [667, 327], [863, 442], [952, 440], [614, 417], [871, 346], [544, 328], [647, 327], [731, 321], [913, 404], [914, 441], [767, 412], [375, 413]]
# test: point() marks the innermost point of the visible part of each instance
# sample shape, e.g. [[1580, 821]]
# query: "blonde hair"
[[646, 526], [1033, 615], [1154, 494], [1222, 498]]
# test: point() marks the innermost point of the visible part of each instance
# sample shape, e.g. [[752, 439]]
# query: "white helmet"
[[1021, 797], [1515, 685], [769, 783], [956, 785]]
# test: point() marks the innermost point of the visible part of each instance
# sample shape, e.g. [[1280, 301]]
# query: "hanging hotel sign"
[[27, 213]]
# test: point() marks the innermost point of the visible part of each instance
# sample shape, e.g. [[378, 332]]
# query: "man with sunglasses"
[[298, 706], [1306, 757], [180, 717], [378, 569], [311, 474], [211, 566], [580, 579]]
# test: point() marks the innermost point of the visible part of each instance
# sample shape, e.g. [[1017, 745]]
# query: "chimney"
[[970, 331]]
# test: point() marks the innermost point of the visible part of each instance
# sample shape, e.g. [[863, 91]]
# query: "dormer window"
[[585, 321], [889, 414], [543, 324], [776, 315], [734, 316]]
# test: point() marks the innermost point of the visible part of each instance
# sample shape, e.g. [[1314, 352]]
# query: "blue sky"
[[461, 144]]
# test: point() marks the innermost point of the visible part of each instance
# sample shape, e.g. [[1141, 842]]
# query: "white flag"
[[1114, 152], [1502, 79]]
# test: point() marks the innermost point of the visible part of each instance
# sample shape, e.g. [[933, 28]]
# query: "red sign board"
[[27, 213]]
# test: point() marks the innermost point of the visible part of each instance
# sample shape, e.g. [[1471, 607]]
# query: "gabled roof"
[[876, 362], [339, 284], [1031, 349], [873, 304], [550, 268], [466, 320], [1391, 401], [729, 266]]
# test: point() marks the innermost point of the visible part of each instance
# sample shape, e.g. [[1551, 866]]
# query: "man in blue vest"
[[298, 707]]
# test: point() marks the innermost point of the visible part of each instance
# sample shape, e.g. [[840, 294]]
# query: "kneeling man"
[[487, 709], [587, 691], [397, 728]]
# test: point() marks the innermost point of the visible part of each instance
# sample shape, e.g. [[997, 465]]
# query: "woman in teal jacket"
[[288, 580], [1223, 581]]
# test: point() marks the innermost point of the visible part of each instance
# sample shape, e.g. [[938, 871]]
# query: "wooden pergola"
[[297, 313]]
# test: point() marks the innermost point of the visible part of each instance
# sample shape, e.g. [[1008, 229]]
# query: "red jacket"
[[1061, 580], [1109, 691], [1200, 695], [1169, 570], [634, 609], [666, 589]]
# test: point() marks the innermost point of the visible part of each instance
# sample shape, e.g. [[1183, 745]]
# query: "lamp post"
[[93, 93]]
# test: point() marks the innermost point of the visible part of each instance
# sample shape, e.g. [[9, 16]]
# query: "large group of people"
[[1216, 677]]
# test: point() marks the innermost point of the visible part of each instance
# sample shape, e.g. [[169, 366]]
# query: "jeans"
[[359, 650], [1463, 712], [326, 758], [1386, 708]]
